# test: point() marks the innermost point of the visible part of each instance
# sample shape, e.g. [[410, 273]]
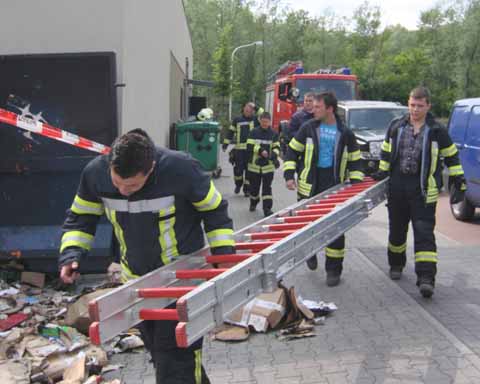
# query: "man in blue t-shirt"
[[323, 153]]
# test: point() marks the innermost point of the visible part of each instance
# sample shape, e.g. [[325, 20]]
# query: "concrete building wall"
[[144, 34]]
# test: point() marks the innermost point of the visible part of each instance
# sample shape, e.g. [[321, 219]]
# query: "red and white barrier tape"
[[47, 130]]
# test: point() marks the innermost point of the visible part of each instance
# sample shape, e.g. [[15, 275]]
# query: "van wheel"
[[464, 210]]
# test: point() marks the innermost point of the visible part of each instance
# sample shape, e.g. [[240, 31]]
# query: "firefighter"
[[411, 157], [325, 153], [238, 135], [156, 200], [263, 149], [301, 116]]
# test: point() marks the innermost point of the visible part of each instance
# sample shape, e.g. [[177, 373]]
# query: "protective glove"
[[224, 147], [231, 157], [276, 163], [457, 190], [379, 175]]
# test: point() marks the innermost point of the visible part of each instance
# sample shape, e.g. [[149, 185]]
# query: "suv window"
[[373, 118], [458, 123]]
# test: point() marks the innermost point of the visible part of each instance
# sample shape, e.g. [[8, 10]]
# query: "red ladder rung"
[[339, 199], [269, 235], [199, 273], [254, 246], [301, 219], [322, 204], [233, 258], [286, 227], [310, 212], [173, 292], [158, 314]]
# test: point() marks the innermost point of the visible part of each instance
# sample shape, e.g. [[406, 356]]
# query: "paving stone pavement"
[[383, 331]]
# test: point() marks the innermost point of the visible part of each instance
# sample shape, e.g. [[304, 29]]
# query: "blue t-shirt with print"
[[326, 138]]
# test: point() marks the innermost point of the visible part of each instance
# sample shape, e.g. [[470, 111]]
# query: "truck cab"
[[464, 129]]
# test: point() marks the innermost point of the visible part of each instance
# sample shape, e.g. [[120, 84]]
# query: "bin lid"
[[198, 126]]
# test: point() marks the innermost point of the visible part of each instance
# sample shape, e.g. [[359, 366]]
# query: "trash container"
[[200, 139]]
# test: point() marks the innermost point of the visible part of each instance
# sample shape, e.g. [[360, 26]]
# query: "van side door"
[[471, 156]]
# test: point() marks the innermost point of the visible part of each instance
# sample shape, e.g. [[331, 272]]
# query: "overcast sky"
[[404, 12]]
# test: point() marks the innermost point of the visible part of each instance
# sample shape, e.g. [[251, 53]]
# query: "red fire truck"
[[284, 94]]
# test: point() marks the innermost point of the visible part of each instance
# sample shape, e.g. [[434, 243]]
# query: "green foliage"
[[443, 54]]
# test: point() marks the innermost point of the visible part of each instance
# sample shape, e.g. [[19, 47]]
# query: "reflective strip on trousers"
[[335, 253], [426, 256], [397, 248]]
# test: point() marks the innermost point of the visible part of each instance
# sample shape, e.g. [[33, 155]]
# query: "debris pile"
[[43, 333], [280, 310]]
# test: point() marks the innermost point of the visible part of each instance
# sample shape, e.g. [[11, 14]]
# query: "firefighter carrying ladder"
[[265, 252]]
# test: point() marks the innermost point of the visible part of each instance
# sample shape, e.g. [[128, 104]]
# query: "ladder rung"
[[321, 204], [339, 199], [301, 219], [148, 293], [254, 246], [344, 194], [269, 235], [286, 227], [158, 314], [233, 258], [199, 273], [310, 212]]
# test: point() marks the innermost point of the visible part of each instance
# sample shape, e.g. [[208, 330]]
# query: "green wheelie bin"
[[200, 139]]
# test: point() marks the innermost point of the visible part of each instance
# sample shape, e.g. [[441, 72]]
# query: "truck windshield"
[[344, 89], [373, 118]]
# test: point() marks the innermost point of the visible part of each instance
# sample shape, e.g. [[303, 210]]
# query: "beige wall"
[[143, 34]]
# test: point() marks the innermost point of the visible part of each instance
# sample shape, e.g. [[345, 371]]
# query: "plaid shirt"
[[410, 150]]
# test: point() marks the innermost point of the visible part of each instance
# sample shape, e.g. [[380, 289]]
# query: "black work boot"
[[253, 206], [268, 212], [312, 263], [396, 272], [237, 189], [426, 285], [333, 278]]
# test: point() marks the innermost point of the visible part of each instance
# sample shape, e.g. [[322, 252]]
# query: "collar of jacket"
[[429, 120]]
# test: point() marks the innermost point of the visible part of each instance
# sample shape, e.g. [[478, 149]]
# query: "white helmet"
[[205, 114]]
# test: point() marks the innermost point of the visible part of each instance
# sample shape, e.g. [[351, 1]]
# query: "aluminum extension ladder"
[[265, 252]]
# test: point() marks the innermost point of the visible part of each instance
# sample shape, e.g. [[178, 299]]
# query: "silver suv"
[[369, 121]]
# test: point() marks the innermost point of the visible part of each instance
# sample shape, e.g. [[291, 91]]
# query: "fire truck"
[[288, 85]]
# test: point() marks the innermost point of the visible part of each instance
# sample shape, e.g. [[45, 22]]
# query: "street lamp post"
[[231, 74]]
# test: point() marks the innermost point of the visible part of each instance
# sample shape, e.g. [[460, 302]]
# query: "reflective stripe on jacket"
[[302, 155], [262, 140], [436, 143], [238, 132]]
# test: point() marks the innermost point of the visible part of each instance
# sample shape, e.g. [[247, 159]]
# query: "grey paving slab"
[[383, 331]]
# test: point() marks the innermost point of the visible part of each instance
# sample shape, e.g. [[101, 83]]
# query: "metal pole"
[[231, 74]]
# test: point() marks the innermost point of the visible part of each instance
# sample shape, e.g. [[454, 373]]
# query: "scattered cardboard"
[[14, 372], [33, 278], [76, 371], [266, 310], [232, 333]]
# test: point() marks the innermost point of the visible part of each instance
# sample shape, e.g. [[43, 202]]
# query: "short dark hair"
[[309, 94], [265, 115], [328, 98], [421, 92], [132, 153]]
